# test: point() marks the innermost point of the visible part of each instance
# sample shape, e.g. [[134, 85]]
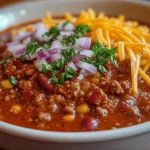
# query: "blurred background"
[[7, 2]]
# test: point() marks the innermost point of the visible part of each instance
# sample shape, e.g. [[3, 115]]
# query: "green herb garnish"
[[4, 60], [66, 23], [79, 30], [53, 32], [69, 53], [30, 49], [82, 29], [13, 80], [101, 55]]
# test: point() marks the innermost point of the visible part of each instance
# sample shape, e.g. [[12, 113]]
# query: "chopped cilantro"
[[13, 80], [69, 53], [101, 55], [79, 30], [53, 32], [66, 23], [4, 60], [82, 29], [30, 49]]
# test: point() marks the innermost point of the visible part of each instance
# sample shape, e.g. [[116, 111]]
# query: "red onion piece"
[[48, 59], [20, 51], [83, 43], [78, 57], [53, 51], [15, 48], [27, 40], [12, 43], [55, 57], [72, 65], [40, 30], [84, 72], [56, 44], [31, 57], [60, 37], [66, 33], [69, 27], [38, 63], [21, 35], [80, 77], [87, 53], [91, 68], [87, 43], [90, 123], [42, 53], [60, 26]]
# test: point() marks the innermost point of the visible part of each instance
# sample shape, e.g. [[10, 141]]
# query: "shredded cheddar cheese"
[[132, 40]]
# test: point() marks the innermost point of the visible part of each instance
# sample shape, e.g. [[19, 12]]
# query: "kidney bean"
[[94, 98], [28, 93], [44, 82], [90, 123], [97, 97]]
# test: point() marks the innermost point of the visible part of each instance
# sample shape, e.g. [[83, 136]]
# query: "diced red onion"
[[20, 51], [80, 77], [78, 57], [38, 63], [72, 65], [84, 72], [55, 57], [27, 40], [53, 51], [42, 53], [83, 43], [87, 53], [56, 44], [69, 27], [59, 37], [40, 31], [31, 57], [66, 33], [21, 35], [12, 43], [16, 49], [91, 68], [60, 26], [48, 59], [87, 43]]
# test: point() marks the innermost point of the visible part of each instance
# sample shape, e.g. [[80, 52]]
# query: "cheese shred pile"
[[132, 40]]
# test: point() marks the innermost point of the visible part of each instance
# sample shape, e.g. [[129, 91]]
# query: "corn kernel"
[[16, 109], [6, 84], [13, 32], [69, 117], [30, 27], [22, 29], [97, 74], [94, 80], [83, 108]]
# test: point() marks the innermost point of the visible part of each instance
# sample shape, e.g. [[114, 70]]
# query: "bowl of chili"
[[67, 83]]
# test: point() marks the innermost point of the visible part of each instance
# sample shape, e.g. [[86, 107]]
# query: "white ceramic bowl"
[[18, 138]]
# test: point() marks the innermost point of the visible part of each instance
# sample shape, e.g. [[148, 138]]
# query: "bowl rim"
[[73, 137]]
